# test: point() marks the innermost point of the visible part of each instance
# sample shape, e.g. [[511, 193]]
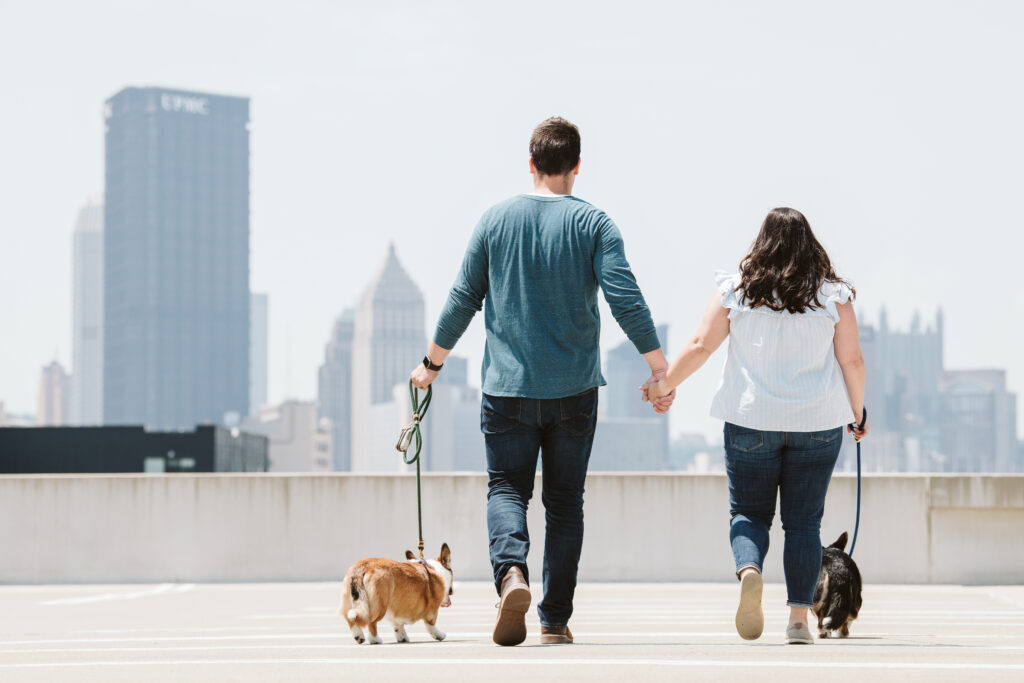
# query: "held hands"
[[657, 394]]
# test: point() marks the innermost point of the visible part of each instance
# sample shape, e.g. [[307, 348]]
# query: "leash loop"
[[405, 439]]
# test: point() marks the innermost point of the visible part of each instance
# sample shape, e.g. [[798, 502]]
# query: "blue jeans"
[[562, 431], [797, 466]]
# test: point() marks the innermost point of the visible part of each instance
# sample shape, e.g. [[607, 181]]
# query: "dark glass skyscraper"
[[176, 258]]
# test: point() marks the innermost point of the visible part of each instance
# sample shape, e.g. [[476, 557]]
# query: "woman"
[[793, 377]]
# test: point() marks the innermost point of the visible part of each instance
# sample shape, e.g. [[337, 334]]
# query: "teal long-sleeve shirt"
[[534, 263]]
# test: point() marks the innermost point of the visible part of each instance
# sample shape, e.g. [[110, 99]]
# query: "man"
[[535, 262]]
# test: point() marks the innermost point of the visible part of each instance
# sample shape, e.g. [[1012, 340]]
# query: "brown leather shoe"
[[549, 635], [510, 628]]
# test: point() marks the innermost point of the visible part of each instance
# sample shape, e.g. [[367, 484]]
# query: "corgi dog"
[[401, 592], [837, 598]]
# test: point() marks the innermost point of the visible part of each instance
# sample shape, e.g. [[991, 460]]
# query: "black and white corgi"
[[837, 598]]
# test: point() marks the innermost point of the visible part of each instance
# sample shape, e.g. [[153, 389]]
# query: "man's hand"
[[421, 377], [657, 394]]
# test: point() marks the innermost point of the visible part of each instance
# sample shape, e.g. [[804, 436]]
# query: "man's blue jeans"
[[797, 466], [561, 430]]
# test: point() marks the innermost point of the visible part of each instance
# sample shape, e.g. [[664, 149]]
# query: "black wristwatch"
[[430, 366]]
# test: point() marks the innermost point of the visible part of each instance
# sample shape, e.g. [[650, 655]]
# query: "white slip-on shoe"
[[749, 617], [799, 634]]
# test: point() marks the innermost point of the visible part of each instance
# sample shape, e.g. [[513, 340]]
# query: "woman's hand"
[[859, 431], [656, 390], [658, 395]]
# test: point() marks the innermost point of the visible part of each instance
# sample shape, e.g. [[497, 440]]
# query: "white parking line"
[[574, 663], [345, 636], [121, 595], [448, 645]]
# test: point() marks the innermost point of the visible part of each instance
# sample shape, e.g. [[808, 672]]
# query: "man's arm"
[[464, 301], [627, 302]]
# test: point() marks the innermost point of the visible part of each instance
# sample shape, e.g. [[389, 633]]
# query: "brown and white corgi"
[[401, 592]]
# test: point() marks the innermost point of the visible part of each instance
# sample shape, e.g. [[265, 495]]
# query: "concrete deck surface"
[[624, 632]]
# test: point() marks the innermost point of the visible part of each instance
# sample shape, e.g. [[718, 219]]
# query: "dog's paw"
[[401, 637], [823, 634], [375, 640], [438, 635]]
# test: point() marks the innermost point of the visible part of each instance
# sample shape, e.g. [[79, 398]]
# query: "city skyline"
[[928, 132]]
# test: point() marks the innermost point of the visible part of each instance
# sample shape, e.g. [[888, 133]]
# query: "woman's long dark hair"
[[786, 266]]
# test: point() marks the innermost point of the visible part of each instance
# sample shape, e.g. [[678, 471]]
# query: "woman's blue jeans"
[[797, 466], [561, 431]]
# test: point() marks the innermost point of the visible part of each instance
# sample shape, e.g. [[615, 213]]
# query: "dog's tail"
[[838, 609], [359, 604]]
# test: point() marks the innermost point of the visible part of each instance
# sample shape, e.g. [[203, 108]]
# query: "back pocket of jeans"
[[742, 438], [826, 435], [577, 412], [499, 414]]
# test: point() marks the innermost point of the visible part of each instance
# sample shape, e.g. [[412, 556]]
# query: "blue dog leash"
[[856, 525]]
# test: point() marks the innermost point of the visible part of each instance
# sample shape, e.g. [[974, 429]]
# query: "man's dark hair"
[[555, 146]]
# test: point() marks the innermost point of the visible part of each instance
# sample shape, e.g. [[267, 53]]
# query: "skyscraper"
[[335, 388], [389, 339], [625, 370], [87, 317], [631, 436], [54, 396], [176, 258], [258, 331]]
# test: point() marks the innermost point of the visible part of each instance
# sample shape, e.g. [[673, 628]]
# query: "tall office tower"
[[625, 370], [176, 258], [389, 339], [632, 435], [87, 317], [258, 332], [54, 396], [335, 388]]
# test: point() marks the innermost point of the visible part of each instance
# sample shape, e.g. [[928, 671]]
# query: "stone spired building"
[[335, 388], [176, 258], [389, 339], [87, 317]]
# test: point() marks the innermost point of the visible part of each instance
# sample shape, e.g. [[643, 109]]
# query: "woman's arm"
[[713, 329], [851, 361]]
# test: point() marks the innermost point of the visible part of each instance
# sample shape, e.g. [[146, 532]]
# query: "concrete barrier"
[[639, 526]]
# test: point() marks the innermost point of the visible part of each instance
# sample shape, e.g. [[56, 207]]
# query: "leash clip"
[[405, 438]]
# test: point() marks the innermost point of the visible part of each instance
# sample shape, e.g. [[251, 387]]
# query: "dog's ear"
[[840, 542], [445, 558], [409, 555]]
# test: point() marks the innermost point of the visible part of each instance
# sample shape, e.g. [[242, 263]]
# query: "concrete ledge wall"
[[639, 527]]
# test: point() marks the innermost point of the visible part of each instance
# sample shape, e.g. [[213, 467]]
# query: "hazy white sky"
[[894, 126]]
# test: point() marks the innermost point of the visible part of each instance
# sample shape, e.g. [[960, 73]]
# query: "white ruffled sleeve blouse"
[[781, 372]]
